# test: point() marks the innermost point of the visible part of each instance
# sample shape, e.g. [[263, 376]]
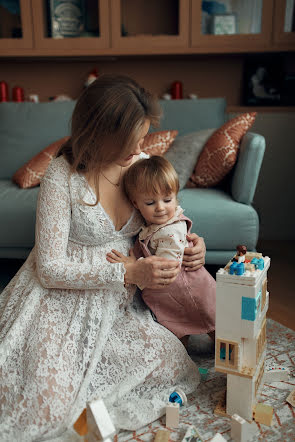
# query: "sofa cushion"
[[30, 174], [157, 143], [18, 210], [26, 128], [184, 152], [220, 152], [222, 222]]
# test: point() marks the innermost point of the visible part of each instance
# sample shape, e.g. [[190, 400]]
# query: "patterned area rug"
[[199, 411]]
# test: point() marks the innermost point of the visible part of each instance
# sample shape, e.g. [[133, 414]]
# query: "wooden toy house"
[[241, 306]]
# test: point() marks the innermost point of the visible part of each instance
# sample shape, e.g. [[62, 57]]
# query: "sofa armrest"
[[247, 169]]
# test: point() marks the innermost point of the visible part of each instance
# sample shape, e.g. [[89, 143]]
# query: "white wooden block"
[[275, 373], [218, 438], [291, 398], [100, 425], [241, 430], [172, 415]]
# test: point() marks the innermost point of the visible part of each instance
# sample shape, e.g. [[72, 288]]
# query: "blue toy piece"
[[178, 396], [237, 268], [203, 373], [259, 263]]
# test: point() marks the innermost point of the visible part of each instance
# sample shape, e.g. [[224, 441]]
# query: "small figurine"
[[238, 266]]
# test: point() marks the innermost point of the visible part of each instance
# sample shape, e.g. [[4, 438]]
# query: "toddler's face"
[[156, 209]]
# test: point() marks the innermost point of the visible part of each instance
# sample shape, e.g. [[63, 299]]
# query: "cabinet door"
[[15, 26], [284, 23], [141, 26], [76, 27], [239, 25]]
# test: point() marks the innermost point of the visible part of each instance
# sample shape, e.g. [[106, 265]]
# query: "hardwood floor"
[[281, 278]]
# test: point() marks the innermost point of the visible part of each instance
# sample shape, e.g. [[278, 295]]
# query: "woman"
[[71, 328]]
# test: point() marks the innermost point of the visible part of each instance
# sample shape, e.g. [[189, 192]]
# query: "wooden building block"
[[80, 426], [275, 374], [263, 414], [291, 398], [172, 415], [100, 425], [241, 430], [162, 435]]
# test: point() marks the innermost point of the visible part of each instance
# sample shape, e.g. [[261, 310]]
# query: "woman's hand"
[[115, 256], [194, 257], [152, 272]]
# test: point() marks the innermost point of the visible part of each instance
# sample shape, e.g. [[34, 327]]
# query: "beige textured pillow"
[[220, 152], [30, 174], [157, 143]]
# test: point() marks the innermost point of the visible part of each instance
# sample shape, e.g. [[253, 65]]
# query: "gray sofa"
[[224, 215]]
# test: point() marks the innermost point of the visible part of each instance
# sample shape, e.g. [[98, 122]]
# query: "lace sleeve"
[[54, 268], [170, 241]]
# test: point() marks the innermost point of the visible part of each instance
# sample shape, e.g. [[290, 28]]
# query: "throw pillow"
[[157, 143], [30, 174], [220, 152], [184, 152]]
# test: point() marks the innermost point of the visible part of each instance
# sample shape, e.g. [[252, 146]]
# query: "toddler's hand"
[[115, 256]]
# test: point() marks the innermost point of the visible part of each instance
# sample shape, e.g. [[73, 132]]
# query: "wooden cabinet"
[[135, 27], [16, 27], [93, 36], [246, 26], [284, 23], [150, 25]]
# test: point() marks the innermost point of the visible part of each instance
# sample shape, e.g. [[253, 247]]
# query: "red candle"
[[176, 90], [3, 91], [18, 94]]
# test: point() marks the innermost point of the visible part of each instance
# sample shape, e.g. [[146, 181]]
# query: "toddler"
[[186, 306]]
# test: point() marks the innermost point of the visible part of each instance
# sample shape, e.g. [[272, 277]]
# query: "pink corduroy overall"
[[187, 306]]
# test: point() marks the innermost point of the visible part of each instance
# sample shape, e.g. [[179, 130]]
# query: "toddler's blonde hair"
[[151, 176]]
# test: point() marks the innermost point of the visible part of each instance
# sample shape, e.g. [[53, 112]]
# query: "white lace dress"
[[69, 330]]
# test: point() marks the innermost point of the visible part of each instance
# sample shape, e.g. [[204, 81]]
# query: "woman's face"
[[136, 149]]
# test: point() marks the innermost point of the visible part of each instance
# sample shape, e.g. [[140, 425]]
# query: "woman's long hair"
[[105, 124]]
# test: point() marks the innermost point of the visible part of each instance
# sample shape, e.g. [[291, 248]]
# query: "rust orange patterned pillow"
[[30, 174], [220, 152], [157, 143]]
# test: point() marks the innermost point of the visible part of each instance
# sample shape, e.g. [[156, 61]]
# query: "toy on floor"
[[203, 373], [99, 422], [240, 350], [192, 435], [291, 398], [172, 415], [263, 414], [162, 435], [275, 373], [178, 396], [241, 430]]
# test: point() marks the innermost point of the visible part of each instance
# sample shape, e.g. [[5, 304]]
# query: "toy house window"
[[227, 353], [264, 290], [251, 307], [261, 341]]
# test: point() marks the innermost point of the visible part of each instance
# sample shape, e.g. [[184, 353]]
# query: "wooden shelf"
[[261, 109]]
